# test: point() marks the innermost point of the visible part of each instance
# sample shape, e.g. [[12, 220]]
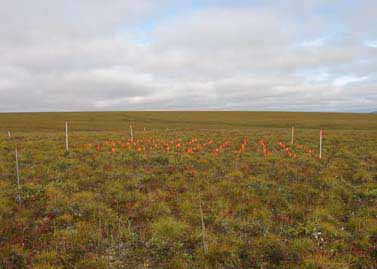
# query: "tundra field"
[[191, 190]]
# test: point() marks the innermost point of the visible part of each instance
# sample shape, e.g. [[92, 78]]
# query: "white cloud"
[[372, 43], [88, 55], [317, 42], [344, 80]]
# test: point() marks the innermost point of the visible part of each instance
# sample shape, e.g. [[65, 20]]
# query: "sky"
[[288, 55]]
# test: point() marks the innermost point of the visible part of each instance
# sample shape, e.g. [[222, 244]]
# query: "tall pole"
[[66, 136], [205, 246], [17, 168], [320, 143], [18, 176], [293, 134], [131, 133]]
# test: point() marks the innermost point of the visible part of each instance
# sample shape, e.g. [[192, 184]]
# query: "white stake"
[[293, 134], [205, 246], [18, 176], [9, 135], [320, 143], [66, 136], [131, 133]]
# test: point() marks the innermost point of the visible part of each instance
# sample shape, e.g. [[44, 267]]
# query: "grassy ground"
[[121, 120], [192, 190]]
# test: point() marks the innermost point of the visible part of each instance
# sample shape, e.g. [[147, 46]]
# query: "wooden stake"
[[66, 136]]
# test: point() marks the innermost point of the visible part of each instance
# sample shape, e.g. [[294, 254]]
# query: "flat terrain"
[[186, 120], [191, 190]]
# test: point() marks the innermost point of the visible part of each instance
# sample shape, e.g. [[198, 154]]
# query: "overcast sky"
[[297, 55]]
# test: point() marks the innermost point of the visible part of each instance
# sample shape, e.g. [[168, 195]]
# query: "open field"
[[186, 120], [191, 190]]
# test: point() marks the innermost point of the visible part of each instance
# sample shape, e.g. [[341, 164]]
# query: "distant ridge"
[[373, 112]]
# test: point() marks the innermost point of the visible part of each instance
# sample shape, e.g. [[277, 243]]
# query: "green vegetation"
[[192, 190], [185, 120]]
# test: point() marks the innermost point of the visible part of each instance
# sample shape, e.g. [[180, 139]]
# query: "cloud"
[[45, 21], [89, 55], [372, 43], [342, 81]]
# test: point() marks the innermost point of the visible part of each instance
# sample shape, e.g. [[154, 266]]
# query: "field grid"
[[188, 190]]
